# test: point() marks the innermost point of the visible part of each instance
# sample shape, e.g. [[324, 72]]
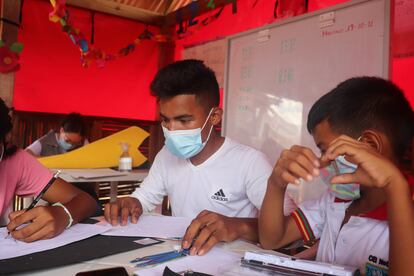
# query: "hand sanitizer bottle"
[[125, 161]]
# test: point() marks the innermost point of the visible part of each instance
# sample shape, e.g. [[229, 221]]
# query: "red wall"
[[51, 78]]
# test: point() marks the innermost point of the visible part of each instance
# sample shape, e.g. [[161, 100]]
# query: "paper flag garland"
[[103, 153], [90, 54]]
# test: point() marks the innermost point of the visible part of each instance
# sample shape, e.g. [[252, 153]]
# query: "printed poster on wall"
[[213, 54]]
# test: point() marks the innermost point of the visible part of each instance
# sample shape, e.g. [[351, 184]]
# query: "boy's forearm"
[[272, 219], [246, 228], [401, 222]]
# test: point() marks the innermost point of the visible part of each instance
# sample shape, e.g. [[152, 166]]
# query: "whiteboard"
[[213, 54], [275, 74]]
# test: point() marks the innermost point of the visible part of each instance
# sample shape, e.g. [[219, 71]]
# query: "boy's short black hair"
[[362, 103], [5, 127], [73, 122], [187, 77]]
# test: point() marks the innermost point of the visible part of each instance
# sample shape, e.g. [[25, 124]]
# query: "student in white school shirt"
[[366, 218], [213, 179]]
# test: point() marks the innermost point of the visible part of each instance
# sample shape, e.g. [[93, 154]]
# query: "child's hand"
[[43, 222], [374, 170], [294, 163], [122, 209], [207, 229]]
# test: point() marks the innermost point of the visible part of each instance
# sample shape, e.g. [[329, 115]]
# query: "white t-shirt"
[[362, 242], [232, 182]]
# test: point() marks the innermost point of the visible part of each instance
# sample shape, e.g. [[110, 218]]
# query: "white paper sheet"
[[11, 248], [92, 173], [153, 227], [215, 262]]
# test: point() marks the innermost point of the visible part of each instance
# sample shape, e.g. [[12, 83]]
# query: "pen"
[[40, 195], [171, 238]]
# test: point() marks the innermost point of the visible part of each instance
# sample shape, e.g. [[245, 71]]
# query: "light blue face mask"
[[186, 143], [64, 145], [338, 166]]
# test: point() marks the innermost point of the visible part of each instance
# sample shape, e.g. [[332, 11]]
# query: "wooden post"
[[10, 10], [165, 57]]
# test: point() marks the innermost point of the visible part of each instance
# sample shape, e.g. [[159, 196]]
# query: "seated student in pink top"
[[21, 174]]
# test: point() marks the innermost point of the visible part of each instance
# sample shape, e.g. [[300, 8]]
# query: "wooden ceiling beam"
[[119, 9]]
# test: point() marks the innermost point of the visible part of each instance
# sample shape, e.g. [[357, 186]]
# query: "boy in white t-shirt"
[[216, 181], [366, 218]]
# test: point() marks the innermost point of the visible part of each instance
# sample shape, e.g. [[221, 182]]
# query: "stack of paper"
[[92, 173], [153, 227], [11, 248]]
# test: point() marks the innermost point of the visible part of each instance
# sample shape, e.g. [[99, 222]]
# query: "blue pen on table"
[[159, 258], [40, 195], [170, 238]]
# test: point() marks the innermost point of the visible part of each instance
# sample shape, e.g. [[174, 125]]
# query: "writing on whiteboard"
[[246, 72], [285, 75], [349, 28], [287, 46]]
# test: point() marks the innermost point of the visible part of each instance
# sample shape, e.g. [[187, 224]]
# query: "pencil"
[[40, 195]]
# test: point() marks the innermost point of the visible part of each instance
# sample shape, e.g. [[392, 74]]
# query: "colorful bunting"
[[90, 54], [211, 4], [193, 6], [183, 32]]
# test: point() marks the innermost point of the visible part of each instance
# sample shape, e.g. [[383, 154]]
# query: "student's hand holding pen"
[[123, 208], [43, 222], [206, 230], [36, 223]]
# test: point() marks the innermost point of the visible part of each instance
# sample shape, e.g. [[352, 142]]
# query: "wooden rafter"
[[147, 11], [120, 9]]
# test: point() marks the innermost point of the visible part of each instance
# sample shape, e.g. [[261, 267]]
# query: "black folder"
[[92, 248]]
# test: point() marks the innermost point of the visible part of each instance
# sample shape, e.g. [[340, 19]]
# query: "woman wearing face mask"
[[23, 175], [70, 136]]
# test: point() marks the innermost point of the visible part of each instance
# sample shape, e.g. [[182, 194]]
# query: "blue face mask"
[[338, 166], [185, 143], [64, 145]]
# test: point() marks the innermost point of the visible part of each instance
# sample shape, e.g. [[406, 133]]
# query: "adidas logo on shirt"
[[219, 195]]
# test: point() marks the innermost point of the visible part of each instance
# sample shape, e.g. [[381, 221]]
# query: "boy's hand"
[[373, 170], [293, 164], [124, 207], [206, 230], [43, 222]]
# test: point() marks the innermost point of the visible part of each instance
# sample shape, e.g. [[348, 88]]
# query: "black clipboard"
[[94, 247]]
